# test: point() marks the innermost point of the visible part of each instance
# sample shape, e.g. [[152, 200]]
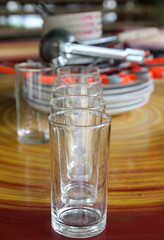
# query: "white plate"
[[120, 110], [117, 101], [125, 88], [128, 96], [110, 89], [113, 110], [126, 103]]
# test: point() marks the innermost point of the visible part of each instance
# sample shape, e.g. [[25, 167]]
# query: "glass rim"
[[97, 90], [76, 75], [77, 85], [25, 66], [100, 125], [78, 66], [100, 102], [97, 79], [53, 100]]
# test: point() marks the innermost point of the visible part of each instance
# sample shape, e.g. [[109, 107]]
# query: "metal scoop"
[[59, 45]]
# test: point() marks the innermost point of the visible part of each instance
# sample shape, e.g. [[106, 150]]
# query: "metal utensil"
[[59, 45]]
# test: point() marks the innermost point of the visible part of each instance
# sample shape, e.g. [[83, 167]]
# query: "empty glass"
[[79, 147], [33, 92]]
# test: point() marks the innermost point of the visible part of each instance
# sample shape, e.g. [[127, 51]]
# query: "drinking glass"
[[33, 92], [79, 200]]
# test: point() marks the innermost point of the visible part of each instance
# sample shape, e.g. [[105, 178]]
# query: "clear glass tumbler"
[[77, 90], [80, 102], [79, 137], [33, 92]]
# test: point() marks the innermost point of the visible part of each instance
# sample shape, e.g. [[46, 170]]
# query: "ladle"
[[59, 45]]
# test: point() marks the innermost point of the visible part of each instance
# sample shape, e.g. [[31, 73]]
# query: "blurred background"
[[25, 18]]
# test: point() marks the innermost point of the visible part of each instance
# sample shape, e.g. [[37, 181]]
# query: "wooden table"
[[136, 176]]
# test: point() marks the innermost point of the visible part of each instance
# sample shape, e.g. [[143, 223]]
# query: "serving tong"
[[59, 46]]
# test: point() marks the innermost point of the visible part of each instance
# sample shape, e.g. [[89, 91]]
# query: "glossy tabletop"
[[136, 176]]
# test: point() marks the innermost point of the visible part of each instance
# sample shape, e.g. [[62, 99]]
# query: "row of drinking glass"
[[77, 87], [79, 136], [79, 145]]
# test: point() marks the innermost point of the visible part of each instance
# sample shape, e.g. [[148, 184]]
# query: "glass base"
[[33, 138], [79, 194], [79, 171], [78, 222]]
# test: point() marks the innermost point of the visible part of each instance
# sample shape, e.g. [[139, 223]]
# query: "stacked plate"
[[121, 98], [83, 26]]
